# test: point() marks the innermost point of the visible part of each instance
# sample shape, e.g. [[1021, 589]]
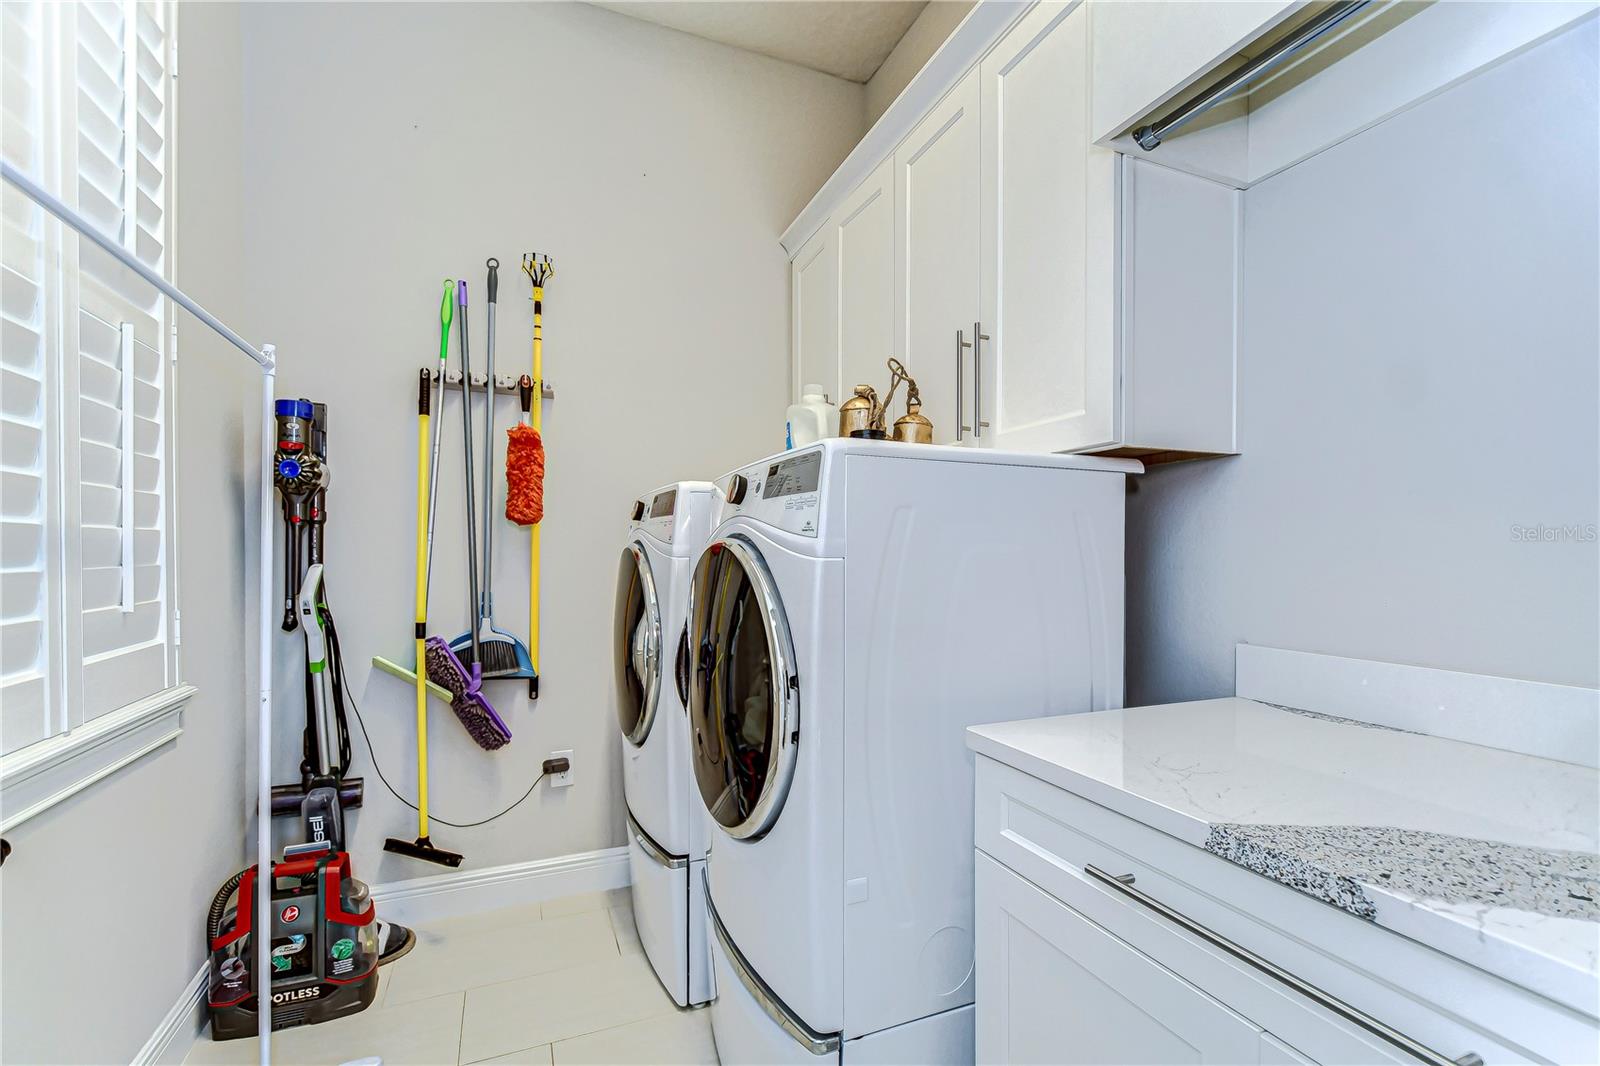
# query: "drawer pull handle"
[[1124, 885]]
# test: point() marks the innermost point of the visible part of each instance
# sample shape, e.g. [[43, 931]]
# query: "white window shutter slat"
[[122, 375], [101, 113], [150, 142], [27, 713]]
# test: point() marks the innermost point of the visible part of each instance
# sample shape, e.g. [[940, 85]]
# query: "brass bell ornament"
[[913, 427], [861, 415]]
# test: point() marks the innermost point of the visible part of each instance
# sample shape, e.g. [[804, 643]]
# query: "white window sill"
[[42, 775]]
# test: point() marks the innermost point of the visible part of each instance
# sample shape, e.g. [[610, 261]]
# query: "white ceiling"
[[846, 38]]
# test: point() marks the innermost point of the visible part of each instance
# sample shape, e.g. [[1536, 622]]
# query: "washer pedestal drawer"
[[669, 912]]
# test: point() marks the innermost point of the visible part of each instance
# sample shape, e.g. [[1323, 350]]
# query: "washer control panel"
[[655, 514]]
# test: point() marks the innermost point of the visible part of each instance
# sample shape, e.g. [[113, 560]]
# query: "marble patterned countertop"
[[1487, 855]]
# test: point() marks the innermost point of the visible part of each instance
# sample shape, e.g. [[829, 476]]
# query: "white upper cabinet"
[[1047, 372], [814, 296], [1109, 286], [1047, 293], [936, 256], [864, 234]]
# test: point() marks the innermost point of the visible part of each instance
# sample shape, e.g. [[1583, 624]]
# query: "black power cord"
[[345, 684]]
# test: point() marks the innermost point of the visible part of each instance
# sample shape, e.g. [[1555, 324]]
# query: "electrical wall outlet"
[[562, 780]]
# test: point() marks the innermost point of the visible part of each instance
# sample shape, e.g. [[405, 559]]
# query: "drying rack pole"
[[265, 627], [266, 358]]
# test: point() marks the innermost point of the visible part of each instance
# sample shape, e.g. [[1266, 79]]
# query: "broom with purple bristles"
[[465, 683]]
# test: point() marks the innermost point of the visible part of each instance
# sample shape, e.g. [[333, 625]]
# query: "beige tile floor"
[[548, 984]]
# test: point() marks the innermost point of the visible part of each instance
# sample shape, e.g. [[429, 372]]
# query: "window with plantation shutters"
[[88, 661]]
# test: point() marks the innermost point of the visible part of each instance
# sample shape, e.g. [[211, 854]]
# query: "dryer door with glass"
[[743, 691], [638, 645]]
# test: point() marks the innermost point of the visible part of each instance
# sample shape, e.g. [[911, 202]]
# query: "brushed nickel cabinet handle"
[[1123, 884], [978, 337], [961, 345]]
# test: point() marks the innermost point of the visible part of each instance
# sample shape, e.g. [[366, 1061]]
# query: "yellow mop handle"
[[422, 603], [536, 417]]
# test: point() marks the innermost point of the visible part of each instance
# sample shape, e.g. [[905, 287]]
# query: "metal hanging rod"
[[1151, 135], [127, 259]]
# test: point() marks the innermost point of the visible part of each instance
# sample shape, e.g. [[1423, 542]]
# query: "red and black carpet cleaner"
[[325, 947]]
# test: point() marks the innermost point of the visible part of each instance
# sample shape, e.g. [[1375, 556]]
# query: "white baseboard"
[[183, 1024], [425, 899]]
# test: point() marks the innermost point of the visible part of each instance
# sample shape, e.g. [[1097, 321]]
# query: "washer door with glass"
[[638, 645], [743, 692]]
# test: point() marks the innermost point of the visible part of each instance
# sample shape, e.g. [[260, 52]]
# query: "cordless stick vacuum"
[[301, 474]]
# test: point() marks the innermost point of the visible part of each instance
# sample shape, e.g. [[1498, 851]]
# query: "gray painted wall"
[[104, 896], [1417, 378], [659, 171]]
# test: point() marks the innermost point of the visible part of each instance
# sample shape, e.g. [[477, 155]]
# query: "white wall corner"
[[185, 1020]]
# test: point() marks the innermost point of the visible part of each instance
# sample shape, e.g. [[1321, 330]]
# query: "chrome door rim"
[[785, 688], [652, 620]]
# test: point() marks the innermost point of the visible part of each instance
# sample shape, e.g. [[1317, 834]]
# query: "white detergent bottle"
[[811, 419]]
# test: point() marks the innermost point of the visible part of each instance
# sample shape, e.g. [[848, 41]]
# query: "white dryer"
[[667, 827], [859, 605]]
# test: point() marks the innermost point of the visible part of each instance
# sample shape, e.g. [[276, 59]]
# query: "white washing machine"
[[667, 826], [858, 606]]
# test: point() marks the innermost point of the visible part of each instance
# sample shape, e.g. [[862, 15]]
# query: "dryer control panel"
[[784, 491]]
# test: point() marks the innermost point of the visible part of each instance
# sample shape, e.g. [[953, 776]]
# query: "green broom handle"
[[446, 311]]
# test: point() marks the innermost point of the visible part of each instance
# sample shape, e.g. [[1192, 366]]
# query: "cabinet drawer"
[[1054, 987], [1050, 836]]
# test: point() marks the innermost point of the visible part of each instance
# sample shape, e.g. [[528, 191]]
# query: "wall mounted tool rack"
[[504, 384]]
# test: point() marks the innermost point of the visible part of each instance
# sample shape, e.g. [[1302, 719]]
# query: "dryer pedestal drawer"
[[1203, 919]]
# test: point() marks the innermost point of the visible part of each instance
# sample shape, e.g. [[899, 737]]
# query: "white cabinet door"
[[1048, 374], [814, 305], [864, 235], [936, 256], [1054, 987]]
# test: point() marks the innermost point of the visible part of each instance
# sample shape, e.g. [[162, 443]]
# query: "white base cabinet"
[[1057, 988], [1073, 968]]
